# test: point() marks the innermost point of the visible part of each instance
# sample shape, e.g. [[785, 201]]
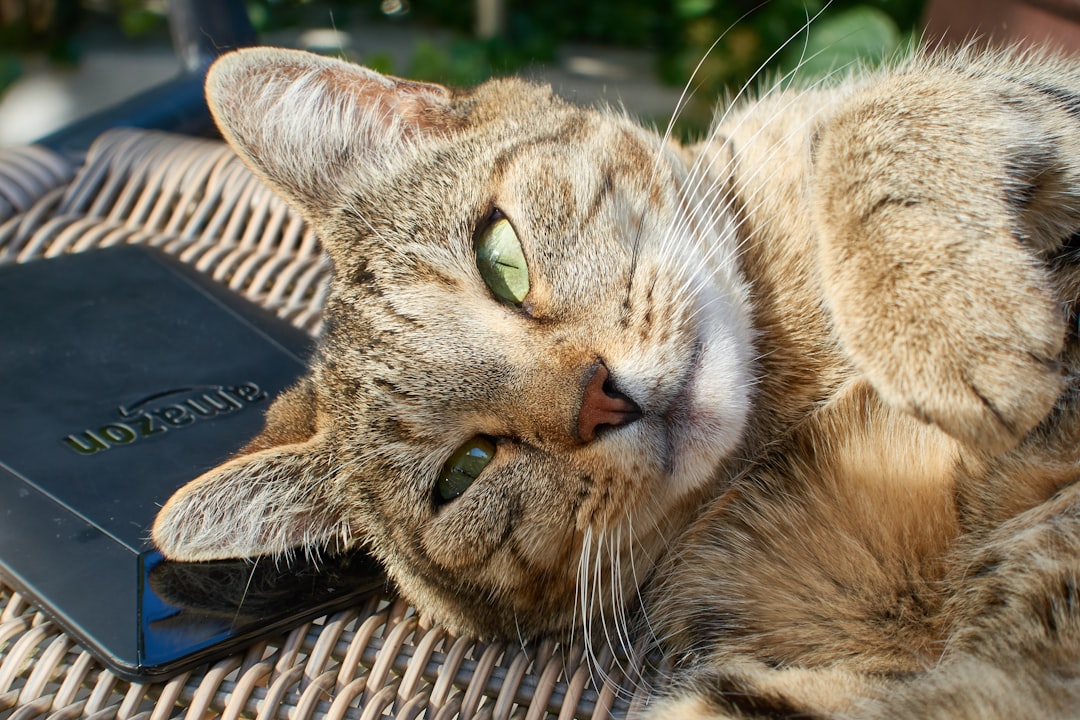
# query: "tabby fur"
[[848, 317]]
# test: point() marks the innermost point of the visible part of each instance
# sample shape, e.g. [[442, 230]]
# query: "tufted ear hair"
[[311, 126], [275, 497], [268, 502]]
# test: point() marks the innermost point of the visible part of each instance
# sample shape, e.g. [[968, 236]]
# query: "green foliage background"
[[731, 39], [745, 32], [720, 44]]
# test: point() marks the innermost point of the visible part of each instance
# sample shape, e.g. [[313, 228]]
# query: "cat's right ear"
[[313, 126], [269, 502], [278, 495]]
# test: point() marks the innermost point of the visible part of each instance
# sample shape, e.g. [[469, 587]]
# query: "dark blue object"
[[123, 375]]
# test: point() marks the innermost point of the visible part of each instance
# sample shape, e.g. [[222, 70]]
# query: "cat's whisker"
[[626, 653], [677, 233], [699, 171], [680, 106], [790, 77], [607, 625], [623, 656], [685, 96], [598, 582], [581, 600], [589, 616], [569, 531], [523, 643], [634, 651], [761, 68], [593, 603], [722, 211], [732, 102], [615, 581], [618, 597], [684, 99], [621, 647], [687, 292], [247, 588]]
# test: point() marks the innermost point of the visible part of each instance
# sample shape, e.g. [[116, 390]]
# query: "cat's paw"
[[936, 297], [950, 320], [976, 356], [985, 374]]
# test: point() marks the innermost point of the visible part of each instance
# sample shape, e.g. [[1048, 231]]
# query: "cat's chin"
[[705, 421]]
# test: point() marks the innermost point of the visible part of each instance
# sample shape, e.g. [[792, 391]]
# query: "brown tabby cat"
[[806, 390]]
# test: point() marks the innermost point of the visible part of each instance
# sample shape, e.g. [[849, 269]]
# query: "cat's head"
[[535, 351]]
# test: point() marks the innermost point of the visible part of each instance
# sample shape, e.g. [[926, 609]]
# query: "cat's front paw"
[[989, 396], [972, 349], [936, 296]]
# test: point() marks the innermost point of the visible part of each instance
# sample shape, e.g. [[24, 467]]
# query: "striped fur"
[[848, 317]]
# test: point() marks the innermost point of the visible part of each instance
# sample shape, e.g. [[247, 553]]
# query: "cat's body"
[[811, 384]]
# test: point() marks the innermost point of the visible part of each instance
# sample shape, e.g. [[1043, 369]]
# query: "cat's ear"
[[275, 497], [268, 502], [311, 125]]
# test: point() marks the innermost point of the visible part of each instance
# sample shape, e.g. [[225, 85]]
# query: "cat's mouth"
[[678, 418], [704, 421]]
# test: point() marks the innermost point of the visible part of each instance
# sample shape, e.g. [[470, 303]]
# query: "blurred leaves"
[[464, 63], [43, 26], [737, 44], [728, 42], [732, 40], [10, 69], [812, 36], [861, 34], [139, 21]]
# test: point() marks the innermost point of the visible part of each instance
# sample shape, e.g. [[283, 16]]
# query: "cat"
[[806, 391]]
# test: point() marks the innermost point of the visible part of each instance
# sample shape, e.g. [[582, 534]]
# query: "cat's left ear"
[[313, 126]]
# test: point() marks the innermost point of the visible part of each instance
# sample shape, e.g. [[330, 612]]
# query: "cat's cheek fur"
[[466, 532], [708, 419]]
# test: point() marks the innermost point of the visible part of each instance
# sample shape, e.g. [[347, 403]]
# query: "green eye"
[[502, 262], [464, 466]]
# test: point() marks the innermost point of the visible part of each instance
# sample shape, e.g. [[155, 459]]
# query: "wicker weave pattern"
[[195, 200]]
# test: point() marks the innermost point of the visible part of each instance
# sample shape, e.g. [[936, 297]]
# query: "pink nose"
[[603, 405]]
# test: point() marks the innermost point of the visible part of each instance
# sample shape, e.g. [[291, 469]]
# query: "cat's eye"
[[501, 261], [463, 467]]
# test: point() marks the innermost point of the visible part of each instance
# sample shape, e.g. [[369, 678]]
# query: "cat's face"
[[536, 350]]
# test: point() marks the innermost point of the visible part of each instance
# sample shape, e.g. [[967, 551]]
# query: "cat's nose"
[[603, 405]]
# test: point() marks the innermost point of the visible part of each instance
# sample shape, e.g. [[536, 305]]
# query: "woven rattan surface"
[[195, 200]]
